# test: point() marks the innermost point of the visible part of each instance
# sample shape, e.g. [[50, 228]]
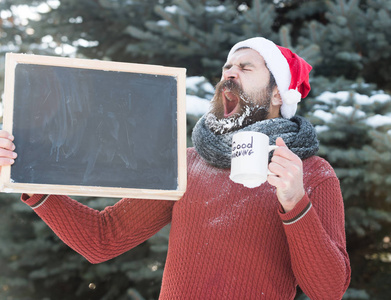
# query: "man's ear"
[[275, 104], [276, 98]]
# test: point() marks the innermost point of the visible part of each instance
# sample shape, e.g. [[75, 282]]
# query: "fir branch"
[[160, 11]]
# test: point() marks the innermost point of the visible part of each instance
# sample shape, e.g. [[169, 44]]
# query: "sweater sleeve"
[[316, 236], [101, 235]]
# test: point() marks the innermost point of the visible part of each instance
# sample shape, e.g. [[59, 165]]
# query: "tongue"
[[231, 104]]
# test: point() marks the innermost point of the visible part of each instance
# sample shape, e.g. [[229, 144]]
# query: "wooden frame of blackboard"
[[8, 185]]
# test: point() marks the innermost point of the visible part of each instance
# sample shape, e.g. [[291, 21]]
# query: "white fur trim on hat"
[[278, 66], [289, 103]]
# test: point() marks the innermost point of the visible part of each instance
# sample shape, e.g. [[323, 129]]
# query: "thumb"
[[280, 142]]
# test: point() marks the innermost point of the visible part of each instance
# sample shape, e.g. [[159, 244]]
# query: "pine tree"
[[198, 34], [354, 132], [14, 34], [354, 40], [349, 37], [190, 34]]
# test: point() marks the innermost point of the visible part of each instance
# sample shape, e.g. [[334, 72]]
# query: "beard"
[[252, 108]]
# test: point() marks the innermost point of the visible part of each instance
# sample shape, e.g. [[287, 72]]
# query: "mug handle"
[[271, 148]]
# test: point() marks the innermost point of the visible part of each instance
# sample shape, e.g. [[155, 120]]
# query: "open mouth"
[[231, 103]]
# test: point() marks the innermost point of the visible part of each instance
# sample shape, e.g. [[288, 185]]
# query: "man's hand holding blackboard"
[[7, 147]]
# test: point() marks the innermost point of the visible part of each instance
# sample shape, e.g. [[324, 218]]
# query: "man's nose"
[[231, 73]]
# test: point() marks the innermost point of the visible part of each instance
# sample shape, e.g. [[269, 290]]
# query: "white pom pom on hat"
[[290, 71]]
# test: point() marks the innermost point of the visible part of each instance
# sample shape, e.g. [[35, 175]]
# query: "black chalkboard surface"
[[86, 127]]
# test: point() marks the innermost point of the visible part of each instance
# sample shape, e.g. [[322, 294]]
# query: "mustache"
[[229, 84]]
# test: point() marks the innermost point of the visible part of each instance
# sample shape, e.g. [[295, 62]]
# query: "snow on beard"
[[250, 109]]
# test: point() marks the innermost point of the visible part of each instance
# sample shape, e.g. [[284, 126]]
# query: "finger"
[[6, 161], [280, 142], [276, 168], [7, 154], [5, 143], [284, 151], [5, 134], [286, 173], [281, 160], [286, 167], [275, 181]]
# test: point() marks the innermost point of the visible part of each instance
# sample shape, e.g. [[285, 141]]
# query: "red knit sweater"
[[226, 241]]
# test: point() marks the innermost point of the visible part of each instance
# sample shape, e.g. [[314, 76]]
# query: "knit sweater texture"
[[226, 241]]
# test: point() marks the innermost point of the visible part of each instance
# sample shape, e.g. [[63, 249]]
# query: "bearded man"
[[228, 241]]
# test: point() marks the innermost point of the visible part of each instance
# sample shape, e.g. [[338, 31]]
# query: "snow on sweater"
[[226, 241]]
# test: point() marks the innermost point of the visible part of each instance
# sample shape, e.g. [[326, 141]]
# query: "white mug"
[[250, 158]]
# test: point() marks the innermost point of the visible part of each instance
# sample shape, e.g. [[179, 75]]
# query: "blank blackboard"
[[87, 127]]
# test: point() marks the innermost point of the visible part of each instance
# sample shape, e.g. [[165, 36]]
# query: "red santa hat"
[[290, 71]]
